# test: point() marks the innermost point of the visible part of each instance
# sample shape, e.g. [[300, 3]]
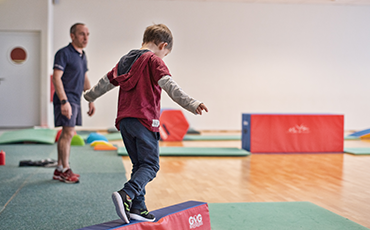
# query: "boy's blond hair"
[[158, 33]]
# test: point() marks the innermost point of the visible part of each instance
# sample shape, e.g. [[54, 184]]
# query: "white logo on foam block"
[[299, 129], [195, 221]]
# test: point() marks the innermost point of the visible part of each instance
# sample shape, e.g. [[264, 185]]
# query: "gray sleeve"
[[99, 89], [178, 95]]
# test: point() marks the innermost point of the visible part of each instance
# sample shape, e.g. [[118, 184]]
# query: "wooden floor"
[[337, 182]]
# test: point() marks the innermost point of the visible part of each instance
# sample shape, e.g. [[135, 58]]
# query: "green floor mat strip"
[[277, 216], [12, 176], [212, 137], [43, 136], [117, 136], [34, 201], [194, 151], [351, 138], [357, 151], [113, 136]]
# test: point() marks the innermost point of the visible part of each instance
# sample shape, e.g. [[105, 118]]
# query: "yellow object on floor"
[[100, 143]]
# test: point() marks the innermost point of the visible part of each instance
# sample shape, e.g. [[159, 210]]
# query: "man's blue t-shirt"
[[74, 66]]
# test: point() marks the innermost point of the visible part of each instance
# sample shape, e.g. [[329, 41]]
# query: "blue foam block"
[[360, 133], [95, 137]]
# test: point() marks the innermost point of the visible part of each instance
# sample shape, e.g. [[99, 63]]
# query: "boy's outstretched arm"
[[180, 97], [99, 89]]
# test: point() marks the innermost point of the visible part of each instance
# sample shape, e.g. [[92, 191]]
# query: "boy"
[[141, 75]]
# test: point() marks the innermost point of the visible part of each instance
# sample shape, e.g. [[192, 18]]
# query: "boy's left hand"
[[200, 108]]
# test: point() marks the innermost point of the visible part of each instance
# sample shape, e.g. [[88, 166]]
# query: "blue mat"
[[360, 133]]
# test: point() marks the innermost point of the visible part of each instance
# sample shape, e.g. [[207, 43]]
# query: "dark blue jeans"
[[143, 149]]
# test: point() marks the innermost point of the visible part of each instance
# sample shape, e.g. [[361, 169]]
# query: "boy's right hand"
[[200, 108]]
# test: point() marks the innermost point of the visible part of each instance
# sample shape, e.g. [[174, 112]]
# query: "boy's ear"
[[162, 45]]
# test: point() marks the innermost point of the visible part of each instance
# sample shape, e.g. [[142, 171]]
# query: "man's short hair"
[[74, 27], [158, 33]]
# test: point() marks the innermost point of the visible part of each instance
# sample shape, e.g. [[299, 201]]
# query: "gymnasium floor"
[[337, 182]]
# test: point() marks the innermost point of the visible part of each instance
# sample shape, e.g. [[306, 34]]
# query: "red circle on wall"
[[18, 55]]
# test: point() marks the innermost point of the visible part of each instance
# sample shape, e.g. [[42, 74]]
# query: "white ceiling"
[[332, 2]]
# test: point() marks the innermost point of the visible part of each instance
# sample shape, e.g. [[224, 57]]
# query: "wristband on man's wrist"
[[63, 101]]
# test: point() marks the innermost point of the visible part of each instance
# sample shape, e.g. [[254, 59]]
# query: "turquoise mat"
[[352, 138], [30, 199], [277, 216], [44, 136], [357, 151], [194, 151]]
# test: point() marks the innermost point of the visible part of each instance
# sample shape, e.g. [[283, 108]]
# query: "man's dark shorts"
[[61, 120]]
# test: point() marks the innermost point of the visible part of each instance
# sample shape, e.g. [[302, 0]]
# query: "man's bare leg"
[[64, 146]]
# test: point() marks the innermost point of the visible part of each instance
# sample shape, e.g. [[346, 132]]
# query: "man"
[[70, 80]]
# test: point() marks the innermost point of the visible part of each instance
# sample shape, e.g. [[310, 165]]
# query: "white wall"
[[236, 57], [22, 15]]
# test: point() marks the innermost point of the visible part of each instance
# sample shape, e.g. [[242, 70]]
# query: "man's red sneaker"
[[75, 174], [69, 177], [57, 173]]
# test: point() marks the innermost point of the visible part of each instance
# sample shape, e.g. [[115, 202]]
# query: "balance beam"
[[183, 216]]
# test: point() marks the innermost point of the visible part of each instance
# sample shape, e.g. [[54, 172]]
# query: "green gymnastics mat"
[[194, 151], [277, 216], [44, 136], [212, 137], [117, 136], [113, 136], [357, 151], [30, 199], [351, 138]]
